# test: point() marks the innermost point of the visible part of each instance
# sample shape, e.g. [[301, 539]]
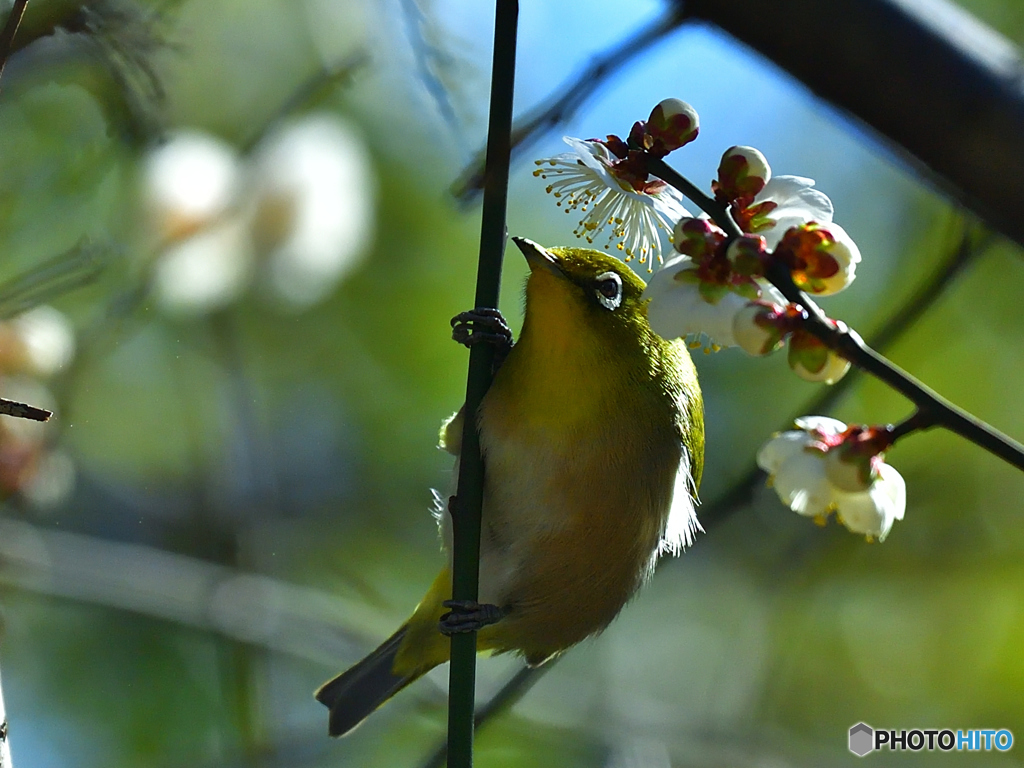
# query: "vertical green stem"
[[466, 512]]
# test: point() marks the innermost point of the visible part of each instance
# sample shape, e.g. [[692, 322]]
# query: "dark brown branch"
[[935, 410], [945, 93], [23, 411], [10, 30]]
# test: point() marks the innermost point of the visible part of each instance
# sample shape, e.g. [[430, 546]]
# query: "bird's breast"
[[579, 482]]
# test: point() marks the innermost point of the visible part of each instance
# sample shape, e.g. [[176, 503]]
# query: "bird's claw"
[[468, 616], [483, 324]]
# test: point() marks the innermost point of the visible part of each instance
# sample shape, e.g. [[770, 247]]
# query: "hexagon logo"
[[862, 739]]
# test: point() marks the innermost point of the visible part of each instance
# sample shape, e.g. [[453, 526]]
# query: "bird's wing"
[[682, 525], [450, 438]]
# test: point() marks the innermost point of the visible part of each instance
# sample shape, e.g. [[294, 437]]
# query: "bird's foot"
[[483, 324], [468, 616]]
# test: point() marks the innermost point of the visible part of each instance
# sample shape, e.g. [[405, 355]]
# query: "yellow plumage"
[[592, 436]]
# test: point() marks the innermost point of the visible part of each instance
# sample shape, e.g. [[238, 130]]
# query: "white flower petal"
[[582, 181], [801, 484], [891, 483], [873, 512], [48, 337], [314, 205], [593, 155], [677, 309], [189, 181], [823, 424], [780, 448], [205, 272], [797, 202], [848, 471], [860, 513]]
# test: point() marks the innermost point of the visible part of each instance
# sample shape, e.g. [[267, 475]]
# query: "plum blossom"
[[633, 212], [825, 466], [295, 216], [34, 346], [698, 294]]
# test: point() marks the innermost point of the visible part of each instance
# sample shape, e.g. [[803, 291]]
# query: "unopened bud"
[[811, 360], [757, 328], [742, 173], [696, 238], [746, 255], [672, 124], [852, 465]]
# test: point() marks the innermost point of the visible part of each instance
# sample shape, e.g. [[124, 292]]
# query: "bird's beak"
[[538, 257]]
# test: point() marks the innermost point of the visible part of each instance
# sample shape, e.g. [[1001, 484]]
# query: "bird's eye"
[[608, 288]]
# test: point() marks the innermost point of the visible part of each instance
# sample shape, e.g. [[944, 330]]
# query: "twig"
[[466, 513], [251, 608], [306, 91], [530, 127], [23, 410], [426, 54], [7, 36], [5, 744], [934, 409], [10, 30], [72, 269]]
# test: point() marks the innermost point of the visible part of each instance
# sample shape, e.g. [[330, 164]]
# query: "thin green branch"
[[934, 409], [78, 266], [469, 496], [510, 693]]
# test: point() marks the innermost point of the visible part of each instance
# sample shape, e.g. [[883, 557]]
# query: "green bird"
[[592, 436]]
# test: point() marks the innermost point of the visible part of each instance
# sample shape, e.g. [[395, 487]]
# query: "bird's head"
[[578, 290]]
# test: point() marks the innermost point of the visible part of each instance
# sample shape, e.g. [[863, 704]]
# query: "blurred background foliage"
[[232, 501]]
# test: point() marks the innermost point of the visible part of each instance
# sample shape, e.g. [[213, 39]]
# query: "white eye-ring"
[[609, 290]]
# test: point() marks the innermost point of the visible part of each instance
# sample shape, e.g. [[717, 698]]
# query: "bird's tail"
[[357, 692], [415, 649]]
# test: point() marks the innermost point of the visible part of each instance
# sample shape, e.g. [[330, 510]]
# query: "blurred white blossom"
[[190, 181], [39, 342], [206, 271], [295, 216], [314, 193], [29, 464]]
